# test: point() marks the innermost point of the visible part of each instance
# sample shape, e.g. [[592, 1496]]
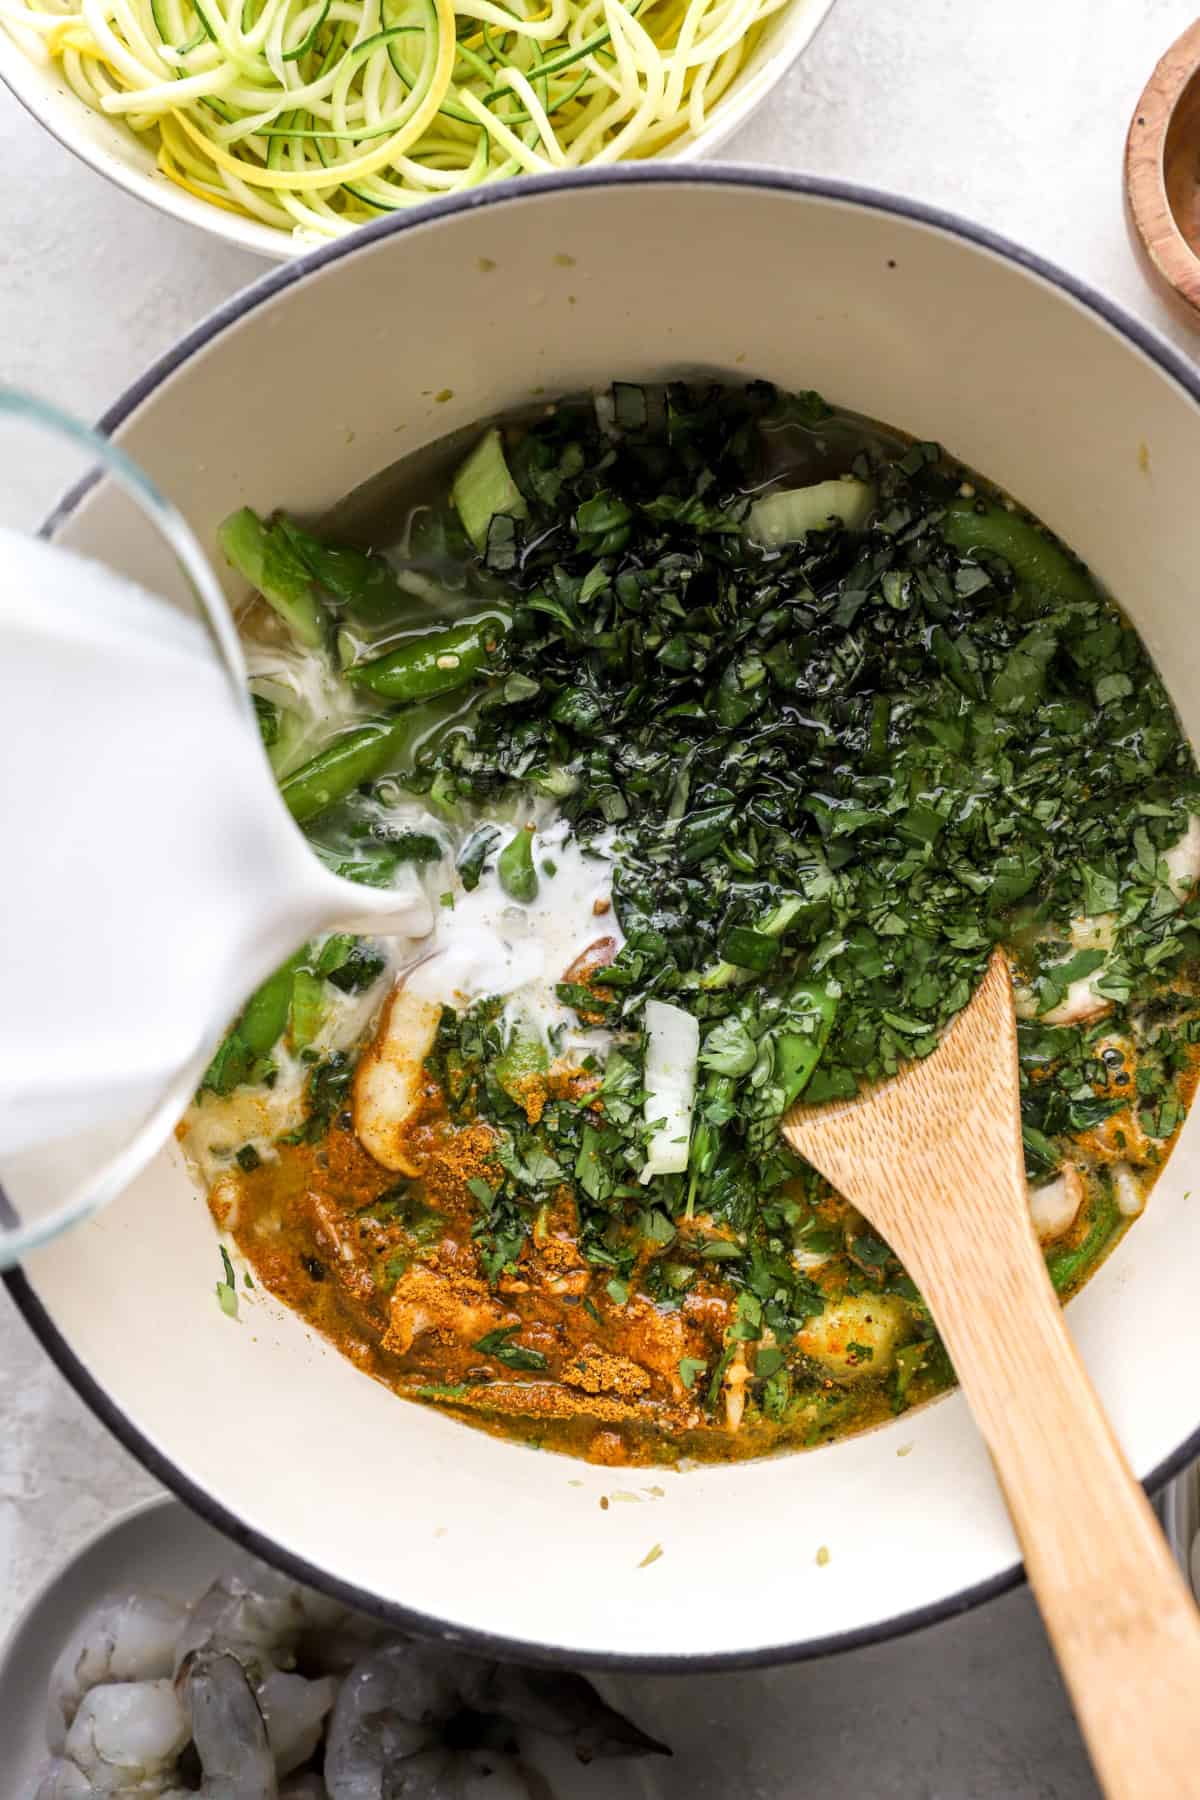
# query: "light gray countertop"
[[1012, 114]]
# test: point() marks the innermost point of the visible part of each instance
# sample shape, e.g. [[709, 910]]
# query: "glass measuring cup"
[[153, 874]]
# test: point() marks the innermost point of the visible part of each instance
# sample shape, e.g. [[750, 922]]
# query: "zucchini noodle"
[[314, 116]]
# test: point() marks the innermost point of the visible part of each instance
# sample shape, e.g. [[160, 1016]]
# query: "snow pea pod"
[[438, 662], [341, 766], [309, 1008], [262, 1024], [265, 556], [1033, 556]]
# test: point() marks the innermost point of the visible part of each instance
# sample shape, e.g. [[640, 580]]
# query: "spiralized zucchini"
[[316, 115]]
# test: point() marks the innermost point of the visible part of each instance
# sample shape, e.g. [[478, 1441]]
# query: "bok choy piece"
[[306, 581], [484, 490], [268, 560], [280, 726], [787, 516], [309, 1009], [363, 586], [244, 1052], [672, 1049]]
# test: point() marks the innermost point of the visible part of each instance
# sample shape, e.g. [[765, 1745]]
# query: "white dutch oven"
[[296, 392]]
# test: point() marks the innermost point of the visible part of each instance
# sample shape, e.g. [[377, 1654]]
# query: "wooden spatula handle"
[[1117, 1609], [934, 1159]]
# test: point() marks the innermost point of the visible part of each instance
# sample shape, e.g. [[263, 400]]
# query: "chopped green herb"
[[227, 1288], [513, 1356]]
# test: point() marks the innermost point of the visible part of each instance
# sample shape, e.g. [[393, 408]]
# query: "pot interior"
[[304, 390]]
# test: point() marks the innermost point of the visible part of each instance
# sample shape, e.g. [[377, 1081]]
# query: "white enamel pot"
[[299, 390]]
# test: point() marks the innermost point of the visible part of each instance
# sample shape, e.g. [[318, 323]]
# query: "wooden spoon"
[[934, 1160]]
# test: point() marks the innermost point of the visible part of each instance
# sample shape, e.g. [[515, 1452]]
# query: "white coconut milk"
[[152, 876]]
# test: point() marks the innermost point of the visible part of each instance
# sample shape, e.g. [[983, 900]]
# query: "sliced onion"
[[672, 1053], [389, 1081], [1081, 1002], [789, 514]]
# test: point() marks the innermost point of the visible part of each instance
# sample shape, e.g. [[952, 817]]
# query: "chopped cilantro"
[[513, 1356], [227, 1288]]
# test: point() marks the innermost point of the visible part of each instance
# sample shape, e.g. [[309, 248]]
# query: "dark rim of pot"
[[222, 319]]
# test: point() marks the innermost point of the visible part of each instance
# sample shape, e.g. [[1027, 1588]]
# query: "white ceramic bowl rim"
[[201, 1501], [789, 38]]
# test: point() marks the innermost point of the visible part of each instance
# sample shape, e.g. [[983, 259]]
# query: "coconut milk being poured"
[[152, 875]]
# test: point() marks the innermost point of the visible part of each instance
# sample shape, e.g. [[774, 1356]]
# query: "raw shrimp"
[[262, 1625], [426, 1299], [228, 1729], [390, 1079], [390, 1708], [125, 1739], [386, 1739], [130, 1637], [294, 1710], [1055, 1205], [401, 1721], [235, 1694], [261, 1622]]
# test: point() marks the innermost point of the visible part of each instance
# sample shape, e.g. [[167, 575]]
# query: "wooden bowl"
[[1162, 175]]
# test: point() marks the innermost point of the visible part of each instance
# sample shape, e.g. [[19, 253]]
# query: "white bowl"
[[891, 310], [110, 148]]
